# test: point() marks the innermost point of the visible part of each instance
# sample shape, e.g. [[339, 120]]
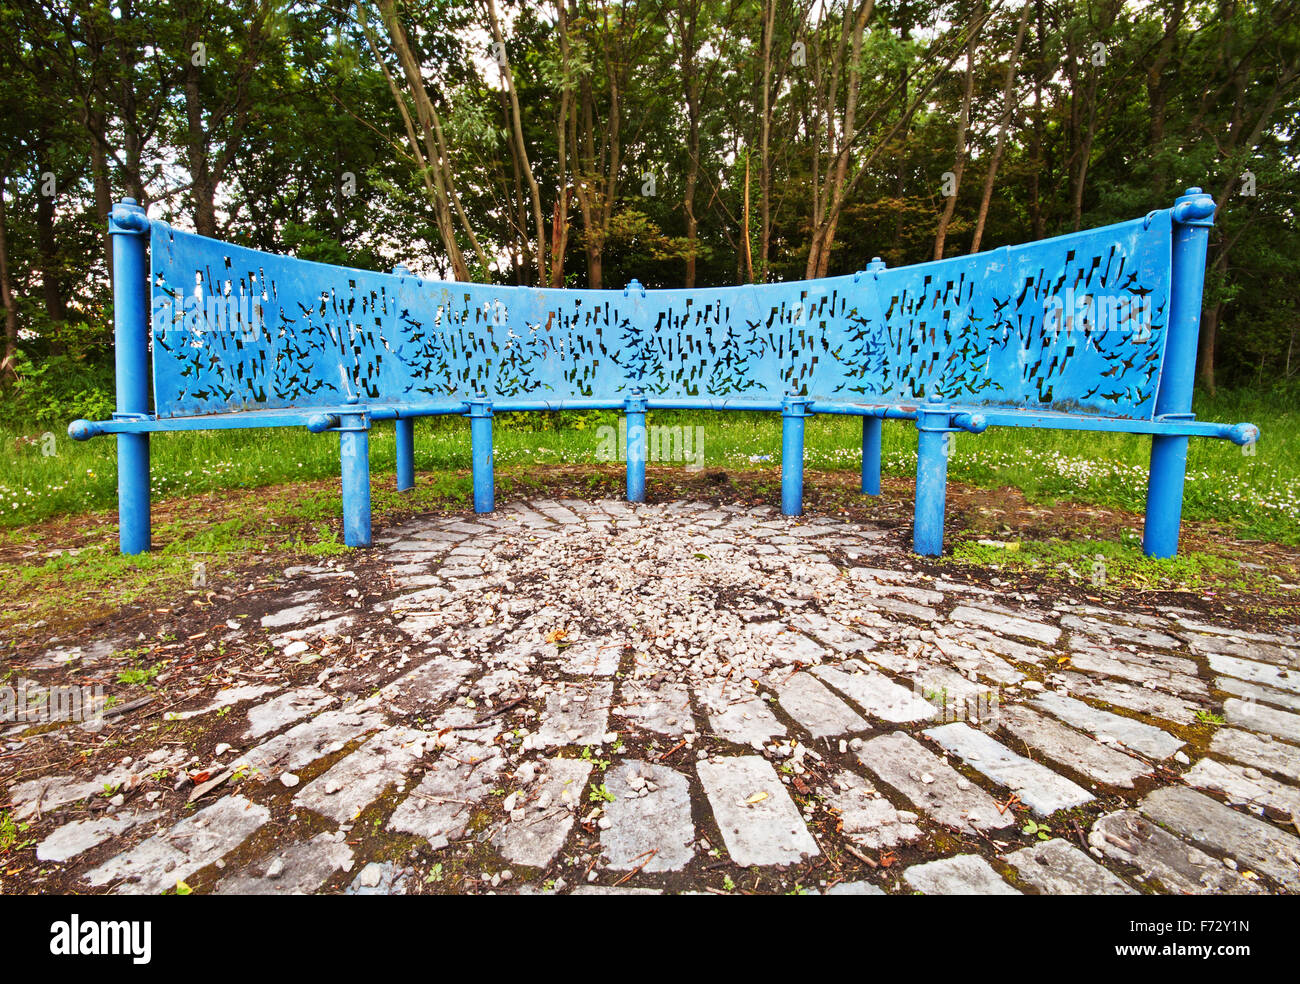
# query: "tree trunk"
[[202, 187], [764, 155], [435, 166], [1008, 94], [8, 371], [516, 131], [103, 193], [48, 246], [1036, 220], [950, 206], [563, 194]]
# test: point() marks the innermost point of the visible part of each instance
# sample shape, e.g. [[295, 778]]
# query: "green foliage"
[[11, 832], [1035, 829], [54, 387]]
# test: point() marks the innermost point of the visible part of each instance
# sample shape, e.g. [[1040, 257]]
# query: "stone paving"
[[595, 698]]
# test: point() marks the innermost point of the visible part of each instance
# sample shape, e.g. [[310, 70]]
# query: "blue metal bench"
[[1096, 330]]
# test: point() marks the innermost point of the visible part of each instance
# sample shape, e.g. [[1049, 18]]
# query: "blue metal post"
[[1193, 215], [871, 428], [480, 438], [793, 411], [129, 227], [636, 446], [405, 431], [354, 458], [931, 477]]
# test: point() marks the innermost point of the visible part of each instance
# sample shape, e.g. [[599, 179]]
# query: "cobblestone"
[[604, 698]]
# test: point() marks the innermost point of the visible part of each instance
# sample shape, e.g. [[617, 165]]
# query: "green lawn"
[[1258, 494]]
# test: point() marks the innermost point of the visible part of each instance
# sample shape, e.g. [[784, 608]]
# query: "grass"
[[1102, 564], [1258, 495]]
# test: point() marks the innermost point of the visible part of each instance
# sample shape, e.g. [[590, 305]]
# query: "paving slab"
[[736, 621], [1072, 749], [650, 824], [818, 710], [1243, 785], [1112, 631], [1140, 670], [737, 713], [1055, 867], [350, 785], [299, 869], [936, 789], [591, 657], [965, 874], [1254, 843], [1244, 646], [1261, 751], [538, 836], [854, 888], [173, 855], [426, 687], [759, 822], [578, 715], [328, 732], [866, 817], [1269, 674], [81, 835], [875, 693], [1178, 867], [1038, 787], [1144, 738], [1006, 624], [1257, 717], [1132, 697], [453, 787], [1284, 699], [285, 709], [664, 708]]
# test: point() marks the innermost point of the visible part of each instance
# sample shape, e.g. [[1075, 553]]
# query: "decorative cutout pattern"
[[1073, 324]]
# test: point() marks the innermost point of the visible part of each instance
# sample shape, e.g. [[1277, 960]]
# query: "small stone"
[[275, 869], [289, 780], [1181, 758]]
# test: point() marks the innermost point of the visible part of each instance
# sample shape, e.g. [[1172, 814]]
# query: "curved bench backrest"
[[1075, 323]]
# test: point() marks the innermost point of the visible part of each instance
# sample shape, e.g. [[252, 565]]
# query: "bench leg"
[[793, 412], [405, 428], [133, 519], [636, 455], [354, 457], [931, 483], [871, 428], [1164, 496], [480, 439]]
